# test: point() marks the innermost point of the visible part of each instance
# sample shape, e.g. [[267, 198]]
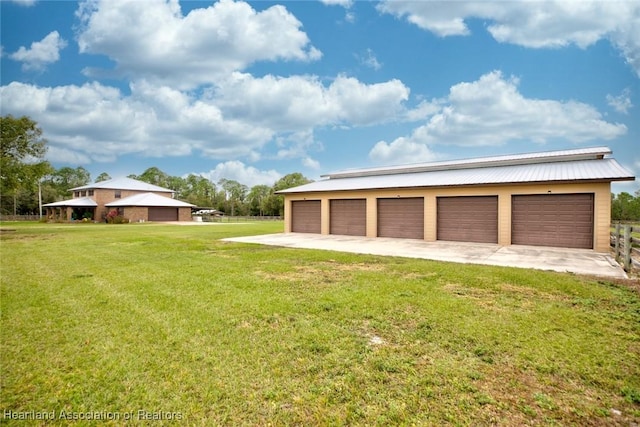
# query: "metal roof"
[[559, 166], [79, 202], [124, 184], [592, 153], [149, 199]]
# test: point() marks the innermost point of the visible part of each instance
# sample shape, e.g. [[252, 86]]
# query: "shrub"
[[114, 218]]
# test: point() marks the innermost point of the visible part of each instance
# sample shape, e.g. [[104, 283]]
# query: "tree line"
[[24, 175], [26, 178], [625, 206]]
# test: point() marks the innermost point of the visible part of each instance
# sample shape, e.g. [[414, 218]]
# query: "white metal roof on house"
[[79, 202], [123, 184], [149, 199], [588, 164]]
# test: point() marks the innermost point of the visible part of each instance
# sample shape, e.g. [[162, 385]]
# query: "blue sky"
[[253, 91]]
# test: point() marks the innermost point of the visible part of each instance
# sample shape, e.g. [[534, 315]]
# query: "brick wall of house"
[[104, 196], [184, 214], [136, 213]]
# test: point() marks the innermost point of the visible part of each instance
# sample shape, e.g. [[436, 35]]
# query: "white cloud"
[[296, 145], [310, 163], [26, 3], [65, 156], [621, 103], [350, 17], [423, 110], [153, 40], [100, 122], [300, 102], [41, 53], [343, 3], [491, 111], [401, 151], [363, 104], [369, 59], [238, 171], [539, 24], [627, 39], [234, 120]]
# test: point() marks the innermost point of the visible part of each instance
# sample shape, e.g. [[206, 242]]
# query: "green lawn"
[[171, 321]]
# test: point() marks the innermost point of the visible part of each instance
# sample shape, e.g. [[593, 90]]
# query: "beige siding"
[[325, 220], [601, 191], [372, 216]]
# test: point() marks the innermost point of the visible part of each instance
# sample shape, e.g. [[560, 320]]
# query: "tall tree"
[[235, 193], [258, 198], [291, 180], [22, 164], [103, 177], [625, 207], [276, 201], [67, 178], [177, 184], [199, 191], [154, 176]]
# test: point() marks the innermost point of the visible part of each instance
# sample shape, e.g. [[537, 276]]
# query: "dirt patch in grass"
[[317, 273], [503, 296], [515, 396], [524, 292], [15, 235], [632, 283]]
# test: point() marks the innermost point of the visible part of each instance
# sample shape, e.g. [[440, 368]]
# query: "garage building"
[[556, 198]]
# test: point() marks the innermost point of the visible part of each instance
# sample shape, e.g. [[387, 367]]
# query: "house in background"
[[130, 198], [557, 198]]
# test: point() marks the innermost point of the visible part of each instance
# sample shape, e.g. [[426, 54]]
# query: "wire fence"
[[35, 217], [238, 218]]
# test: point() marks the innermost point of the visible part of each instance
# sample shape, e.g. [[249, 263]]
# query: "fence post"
[[617, 242], [627, 248]]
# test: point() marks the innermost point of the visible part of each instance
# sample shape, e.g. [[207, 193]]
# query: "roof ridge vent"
[[594, 153]]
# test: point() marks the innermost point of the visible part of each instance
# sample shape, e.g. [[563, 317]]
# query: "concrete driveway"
[[579, 261]]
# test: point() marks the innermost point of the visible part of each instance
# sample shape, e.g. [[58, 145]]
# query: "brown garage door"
[[305, 216], [348, 217], [163, 214], [562, 220], [468, 219], [401, 217]]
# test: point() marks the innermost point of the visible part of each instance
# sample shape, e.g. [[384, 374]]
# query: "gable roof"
[[587, 164], [149, 199], [123, 184], [79, 202]]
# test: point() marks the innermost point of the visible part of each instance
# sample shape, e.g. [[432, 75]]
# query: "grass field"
[[147, 321]]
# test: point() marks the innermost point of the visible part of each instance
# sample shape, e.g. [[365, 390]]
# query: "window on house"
[[117, 194], [76, 194], [90, 192]]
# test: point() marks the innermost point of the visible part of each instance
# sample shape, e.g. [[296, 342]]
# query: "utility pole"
[[40, 197]]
